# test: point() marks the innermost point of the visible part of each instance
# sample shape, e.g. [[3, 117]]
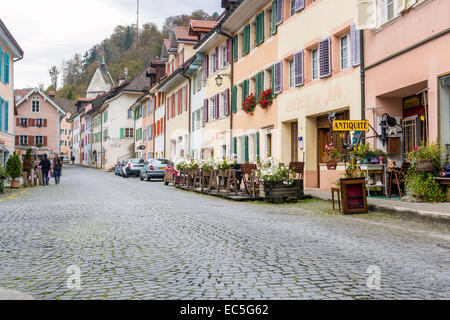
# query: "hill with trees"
[[126, 49]]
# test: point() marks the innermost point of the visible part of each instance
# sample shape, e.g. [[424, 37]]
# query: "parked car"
[[154, 168], [118, 168], [66, 160], [171, 174], [132, 167]]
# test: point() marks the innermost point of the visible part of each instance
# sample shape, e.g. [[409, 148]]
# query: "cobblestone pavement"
[[140, 240]]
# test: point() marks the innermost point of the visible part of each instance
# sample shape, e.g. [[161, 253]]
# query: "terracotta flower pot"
[[15, 184], [331, 165]]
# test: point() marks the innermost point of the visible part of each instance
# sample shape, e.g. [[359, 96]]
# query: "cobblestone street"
[[142, 240]]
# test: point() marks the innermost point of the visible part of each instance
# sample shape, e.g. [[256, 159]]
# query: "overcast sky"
[[50, 31]]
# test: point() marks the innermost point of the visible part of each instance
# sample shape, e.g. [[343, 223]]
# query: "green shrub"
[[422, 186], [14, 166]]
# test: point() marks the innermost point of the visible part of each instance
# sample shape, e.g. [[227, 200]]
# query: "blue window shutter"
[[274, 17], [1, 63], [298, 68], [299, 5], [5, 126], [280, 11], [1, 114], [234, 99], [355, 42], [325, 57], [278, 77], [6, 71]]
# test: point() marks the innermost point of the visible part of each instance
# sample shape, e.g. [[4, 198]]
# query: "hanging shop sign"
[[351, 125]]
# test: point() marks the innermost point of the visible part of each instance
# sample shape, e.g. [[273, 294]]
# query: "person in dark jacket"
[[45, 165], [57, 166]]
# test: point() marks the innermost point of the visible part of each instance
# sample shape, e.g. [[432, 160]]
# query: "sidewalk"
[[430, 212]]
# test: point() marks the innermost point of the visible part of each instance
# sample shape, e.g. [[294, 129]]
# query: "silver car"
[[153, 169], [132, 167]]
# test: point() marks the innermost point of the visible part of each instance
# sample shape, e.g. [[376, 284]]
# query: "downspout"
[[219, 31], [363, 79], [101, 140], [189, 110]]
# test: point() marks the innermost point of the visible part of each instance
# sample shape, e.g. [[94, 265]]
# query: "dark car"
[[171, 174], [153, 169], [132, 167]]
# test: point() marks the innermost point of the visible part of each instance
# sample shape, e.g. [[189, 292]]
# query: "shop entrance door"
[[415, 134], [294, 139]]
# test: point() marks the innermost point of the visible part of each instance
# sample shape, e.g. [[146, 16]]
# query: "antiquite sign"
[[351, 125]]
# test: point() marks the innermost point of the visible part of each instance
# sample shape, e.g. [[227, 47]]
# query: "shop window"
[[327, 137]]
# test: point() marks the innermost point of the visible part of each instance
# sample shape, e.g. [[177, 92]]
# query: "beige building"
[[321, 75]]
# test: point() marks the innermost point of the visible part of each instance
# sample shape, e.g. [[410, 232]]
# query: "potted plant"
[[2, 178], [332, 156], [276, 183], [265, 99], [249, 104], [14, 169], [39, 145], [362, 153], [426, 158], [223, 165]]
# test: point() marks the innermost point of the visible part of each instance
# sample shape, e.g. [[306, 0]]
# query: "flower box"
[[279, 191]]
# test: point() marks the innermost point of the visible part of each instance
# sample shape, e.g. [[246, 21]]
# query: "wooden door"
[[294, 143]]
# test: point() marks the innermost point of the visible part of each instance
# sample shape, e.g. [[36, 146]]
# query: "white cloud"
[[50, 31]]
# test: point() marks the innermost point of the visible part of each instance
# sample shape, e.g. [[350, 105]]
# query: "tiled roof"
[[203, 24], [182, 33], [66, 105], [140, 83]]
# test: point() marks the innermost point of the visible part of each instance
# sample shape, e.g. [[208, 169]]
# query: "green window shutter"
[[1, 113], [235, 145], [257, 145], [234, 99], [257, 31], [247, 39], [247, 87], [122, 133], [235, 48], [274, 17], [5, 125], [6, 71], [257, 85], [261, 81], [261, 29], [246, 158], [1, 62]]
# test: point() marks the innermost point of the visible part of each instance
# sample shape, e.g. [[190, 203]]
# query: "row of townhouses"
[[347, 59]]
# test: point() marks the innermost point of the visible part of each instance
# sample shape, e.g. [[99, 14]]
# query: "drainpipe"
[[219, 31], [189, 110], [363, 80], [101, 140]]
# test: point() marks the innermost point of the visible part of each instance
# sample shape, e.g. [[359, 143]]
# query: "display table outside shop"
[[376, 172]]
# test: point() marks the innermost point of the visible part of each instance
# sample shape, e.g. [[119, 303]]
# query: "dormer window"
[[35, 105]]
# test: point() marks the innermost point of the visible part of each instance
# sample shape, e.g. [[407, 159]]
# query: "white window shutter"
[[399, 6], [366, 17]]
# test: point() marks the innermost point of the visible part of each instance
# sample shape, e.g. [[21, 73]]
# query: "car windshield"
[[163, 161]]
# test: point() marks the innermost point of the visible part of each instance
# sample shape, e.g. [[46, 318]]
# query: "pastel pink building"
[[37, 123], [407, 68]]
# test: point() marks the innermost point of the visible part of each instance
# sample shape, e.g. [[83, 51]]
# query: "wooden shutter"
[[173, 105], [32, 122], [298, 68], [206, 66], [31, 141], [45, 141], [17, 122], [257, 145], [274, 17], [226, 105], [325, 57], [280, 11], [45, 123], [260, 27], [228, 51], [278, 77], [355, 43], [6, 122], [235, 48], [205, 111], [17, 140], [246, 158], [217, 106], [234, 99], [299, 5], [6, 71]]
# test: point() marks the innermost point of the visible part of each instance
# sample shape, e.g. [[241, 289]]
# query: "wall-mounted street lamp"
[[219, 79]]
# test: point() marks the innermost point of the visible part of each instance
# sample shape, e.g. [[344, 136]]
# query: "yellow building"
[[321, 75]]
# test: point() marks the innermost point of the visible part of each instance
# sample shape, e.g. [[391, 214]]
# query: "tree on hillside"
[[54, 73]]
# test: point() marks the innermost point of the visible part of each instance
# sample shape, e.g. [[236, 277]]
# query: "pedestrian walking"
[[57, 167], [46, 166]]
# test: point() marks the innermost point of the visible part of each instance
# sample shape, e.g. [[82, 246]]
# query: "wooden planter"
[[331, 165], [280, 192], [15, 184], [425, 165], [353, 195]]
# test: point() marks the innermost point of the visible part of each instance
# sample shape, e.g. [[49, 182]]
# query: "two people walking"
[[46, 167]]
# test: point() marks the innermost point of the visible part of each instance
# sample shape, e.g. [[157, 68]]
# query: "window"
[[345, 63], [389, 9], [35, 105], [315, 64], [292, 7], [105, 116], [224, 56], [291, 73], [130, 114], [38, 140], [23, 140], [212, 60], [105, 134], [23, 122], [129, 133], [199, 79]]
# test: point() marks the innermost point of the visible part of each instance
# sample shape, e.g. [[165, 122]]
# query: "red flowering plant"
[[249, 104], [265, 99]]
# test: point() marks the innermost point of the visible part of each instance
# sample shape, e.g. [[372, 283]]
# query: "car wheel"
[[148, 178], [141, 177], [165, 181]]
